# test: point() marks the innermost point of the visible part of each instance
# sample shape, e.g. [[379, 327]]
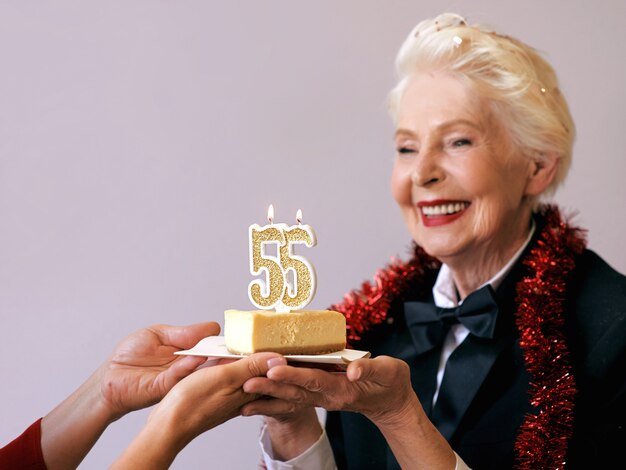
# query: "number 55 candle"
[[276, 292]]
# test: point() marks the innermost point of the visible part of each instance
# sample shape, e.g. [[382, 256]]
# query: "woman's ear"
[[544, 168]]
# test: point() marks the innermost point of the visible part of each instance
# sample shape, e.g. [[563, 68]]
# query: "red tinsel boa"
[[543, 437]]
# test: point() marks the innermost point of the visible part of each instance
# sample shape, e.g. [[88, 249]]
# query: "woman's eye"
[[461, 142], [405, 150]]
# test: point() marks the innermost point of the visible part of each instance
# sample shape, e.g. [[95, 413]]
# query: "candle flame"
[[299, 216], [270, 213]]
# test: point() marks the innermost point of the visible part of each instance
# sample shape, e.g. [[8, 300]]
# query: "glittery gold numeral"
[[265, 294], [303, 289]]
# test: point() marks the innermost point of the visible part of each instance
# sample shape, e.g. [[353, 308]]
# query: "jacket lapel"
[[470, 363], [466, 370]]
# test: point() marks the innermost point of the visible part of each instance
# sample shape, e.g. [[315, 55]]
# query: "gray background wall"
[[139, 139]]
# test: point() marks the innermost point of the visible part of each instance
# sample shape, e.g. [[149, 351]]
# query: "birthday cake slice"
[[296, 332]]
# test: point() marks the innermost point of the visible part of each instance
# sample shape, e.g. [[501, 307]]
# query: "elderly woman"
[[501, 343]]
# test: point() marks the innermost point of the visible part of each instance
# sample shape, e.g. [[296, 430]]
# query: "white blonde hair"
[[520, 85]]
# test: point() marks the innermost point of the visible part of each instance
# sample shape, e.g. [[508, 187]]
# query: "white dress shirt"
[[320, 456]]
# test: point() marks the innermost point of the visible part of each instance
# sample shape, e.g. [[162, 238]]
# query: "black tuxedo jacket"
[[494, 382]]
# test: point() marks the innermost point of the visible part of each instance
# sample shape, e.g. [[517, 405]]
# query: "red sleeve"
[[24, 452]]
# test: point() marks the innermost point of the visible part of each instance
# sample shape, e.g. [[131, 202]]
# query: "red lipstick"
[[434, 220]]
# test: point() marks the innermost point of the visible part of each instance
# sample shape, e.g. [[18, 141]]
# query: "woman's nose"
[[426, 170]]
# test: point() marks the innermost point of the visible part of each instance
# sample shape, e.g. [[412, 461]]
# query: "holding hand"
[[143, 368], [362, 388], [378, 388], [205, 399], [139, 372]]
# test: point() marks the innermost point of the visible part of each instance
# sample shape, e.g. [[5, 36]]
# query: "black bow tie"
[[429, 324]]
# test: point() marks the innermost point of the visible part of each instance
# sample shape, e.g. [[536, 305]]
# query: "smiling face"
[[460, 185]]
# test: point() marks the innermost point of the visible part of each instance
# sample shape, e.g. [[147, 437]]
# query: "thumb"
[[373, 370], [180, 369], [185, 337]]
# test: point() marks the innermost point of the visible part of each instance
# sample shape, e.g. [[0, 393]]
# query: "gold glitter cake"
[[296, 332]]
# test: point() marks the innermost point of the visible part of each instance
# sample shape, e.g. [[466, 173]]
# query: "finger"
[[382, 370], [185, 337], [268, 388], [258, 386], [210, 362], [314, 380], [226, 360], [269, 407], [357, 369], [255, 365], [181, 368]]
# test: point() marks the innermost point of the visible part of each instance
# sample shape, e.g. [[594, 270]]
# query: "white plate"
[[214, 346]]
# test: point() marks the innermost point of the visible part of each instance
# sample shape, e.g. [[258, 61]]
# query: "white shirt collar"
[[444, 290]]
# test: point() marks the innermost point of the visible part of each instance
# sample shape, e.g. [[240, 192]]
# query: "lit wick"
[[270, 214], [299, 217]]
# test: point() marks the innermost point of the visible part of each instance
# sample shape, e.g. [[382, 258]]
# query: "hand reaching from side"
[[203, 400], [139, 372], [143, 367]]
